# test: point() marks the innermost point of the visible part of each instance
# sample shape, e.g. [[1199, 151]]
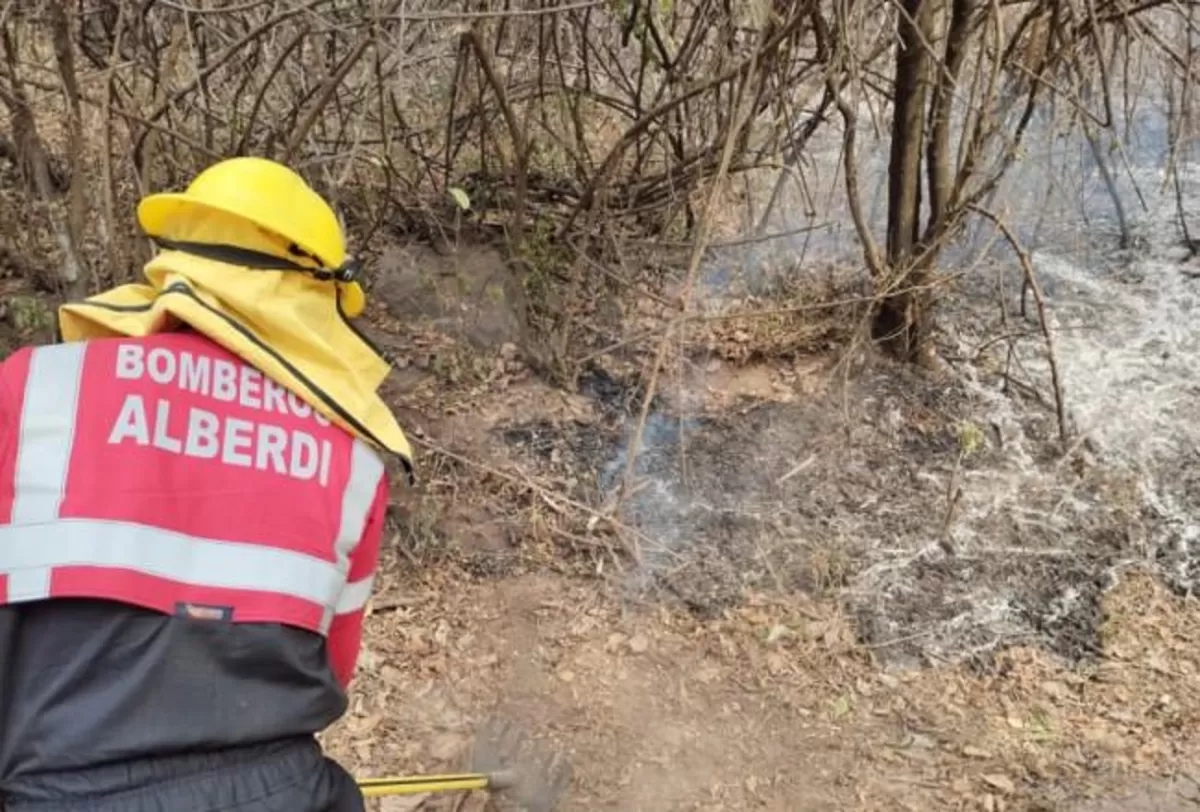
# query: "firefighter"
[[192, 496]]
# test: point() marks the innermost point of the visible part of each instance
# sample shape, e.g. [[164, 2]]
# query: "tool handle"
[[421, 784]]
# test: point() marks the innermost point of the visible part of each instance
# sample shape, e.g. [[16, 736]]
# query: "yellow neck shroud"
[[287, 324]]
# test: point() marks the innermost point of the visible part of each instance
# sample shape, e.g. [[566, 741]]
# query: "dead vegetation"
[[571, 127]]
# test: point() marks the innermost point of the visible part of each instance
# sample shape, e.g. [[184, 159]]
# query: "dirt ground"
[[788, 641], [773, 706]]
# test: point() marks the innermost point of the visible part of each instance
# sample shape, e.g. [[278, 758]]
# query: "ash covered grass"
[[941, 510]]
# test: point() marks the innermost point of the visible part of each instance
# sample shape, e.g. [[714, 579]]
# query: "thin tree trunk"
[[908, 130], [903, 321], [938, 154]]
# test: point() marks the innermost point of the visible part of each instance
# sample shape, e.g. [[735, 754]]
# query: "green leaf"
[[460, 198], [970, 438]]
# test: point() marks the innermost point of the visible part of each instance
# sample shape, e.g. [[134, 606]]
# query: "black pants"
[[288, 776]]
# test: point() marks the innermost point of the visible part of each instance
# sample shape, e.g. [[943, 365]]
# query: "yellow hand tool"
[[420, 784], [505, 762]]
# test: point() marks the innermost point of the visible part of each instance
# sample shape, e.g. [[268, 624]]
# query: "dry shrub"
[[572, 127]]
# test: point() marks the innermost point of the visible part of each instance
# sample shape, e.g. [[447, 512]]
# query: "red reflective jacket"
[[166, 473]]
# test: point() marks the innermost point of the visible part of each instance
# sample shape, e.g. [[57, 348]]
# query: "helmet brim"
[[156, 212]]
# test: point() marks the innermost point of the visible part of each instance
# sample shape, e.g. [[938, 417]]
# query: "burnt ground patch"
[[1178, 553], [895, 495]]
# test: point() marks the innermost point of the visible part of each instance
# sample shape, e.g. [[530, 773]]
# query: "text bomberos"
[[207, 435]]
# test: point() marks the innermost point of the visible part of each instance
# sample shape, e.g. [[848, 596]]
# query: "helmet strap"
[[259, 260]]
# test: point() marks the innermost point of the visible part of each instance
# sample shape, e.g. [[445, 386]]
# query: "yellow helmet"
[[278, 202]]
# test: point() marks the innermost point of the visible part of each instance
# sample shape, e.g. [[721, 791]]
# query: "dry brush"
[[571, 126]]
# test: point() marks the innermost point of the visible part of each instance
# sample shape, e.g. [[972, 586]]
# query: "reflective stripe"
[[47, 431], [166, 554], [366, 468], [355, 595], [29, 585]]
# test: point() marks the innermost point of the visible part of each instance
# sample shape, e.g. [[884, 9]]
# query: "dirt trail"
[[654, 712], [773, 707]]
